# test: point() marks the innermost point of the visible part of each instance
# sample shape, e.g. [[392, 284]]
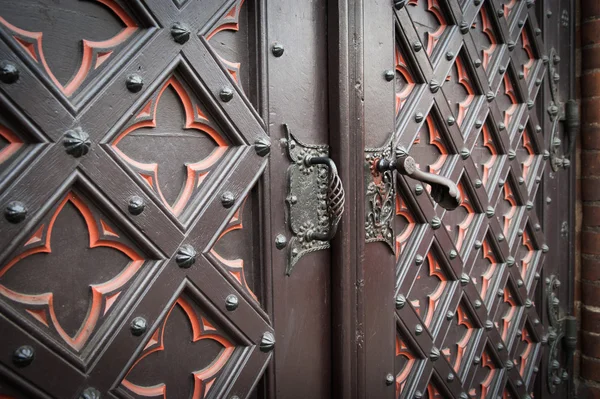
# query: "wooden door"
[[142, 184], [475, 91]]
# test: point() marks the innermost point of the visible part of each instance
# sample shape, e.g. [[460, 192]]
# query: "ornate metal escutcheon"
[[315, 198]]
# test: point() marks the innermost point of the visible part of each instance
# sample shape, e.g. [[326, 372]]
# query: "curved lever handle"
[[443, 190], [336, 198]]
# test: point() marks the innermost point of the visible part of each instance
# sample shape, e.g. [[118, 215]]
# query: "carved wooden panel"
[[132, 195], [466, 278]]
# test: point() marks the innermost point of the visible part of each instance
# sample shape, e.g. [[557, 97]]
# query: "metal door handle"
[[336, 198], [443, 190]]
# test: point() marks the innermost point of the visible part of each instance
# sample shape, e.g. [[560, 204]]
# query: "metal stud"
[[434, 86], [419, 189], [477, 244], [451, 120], [501, 70], [464, 279], [530, 3], [478, 123], [449, 55], [180, 33], [521, 75], [15, 212], [23, 356], [511, 45], [521, 181], [477, 304], [389, 75], [90, 393], [417, 46], [436, 223], [227, 199], [549, 13], [277, 50], [449, 315], [500, 12], [262, 146], [465, 153], [477, 2], [519, 383], [478, 183], [418, 329], [511, 154], [521, 23], [500, 292], [538, 129], [419, 260], [489, 324], [548, 200], [477, 63], [389, 379], [400, 301], [490, 96], [231, 302], [9, 73], [226, 94], [453, 254], [490, 211], [418, 395], [186, 256], [530, 104], [138, 326], [501, 237], [500, 347], [556, 59], [464, 27], [450, 377], [419, 117], [501, 126], [538, 82], [545, 59], [537, 227], [280, 241], [476, 360], [77, 142], [509, 365], [501, 183], [136, 205], [520, 283], [510, 261], [545, 248], [434, 354], [521, 128], [546, 155], [528, 303], [267, 342], [134, 83]]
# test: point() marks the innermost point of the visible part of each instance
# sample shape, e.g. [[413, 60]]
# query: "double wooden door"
[[165, 232]]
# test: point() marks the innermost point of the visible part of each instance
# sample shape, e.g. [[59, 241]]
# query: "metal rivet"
[[400, 301], [389, 379], [519, 383], [451, 120], [419, 117], [537, 227], [521, 128], [511, 154], [489, 324], [478, 183], [434, 354], [476, 360], [464, 279], [419, 189], [418, 329], [545, 59], [450, 377], [138, 326], [501, 70], [465, 153], [500, 12], [277, 50], [436, 223], [520, 283], [501, 237], [231, 302], [134, 83], [90, 393], [418, 394], [530, 104], [186, 256], [15, 212], [538, 129], [521, 23], [9, 73], [538, 82], [500, 292], [23, 356], [500, 347], [477, 244], [419, 260], [389, 75], [510, 261], [537, 276], [267, 342], [509, 365], [511, 45], [280, 241], [548, 200], [434, 86], [549, 13], [530, 3], [399, 4], [262, 146], [136, 205], [501, 126], [477, 304], [453, 254], [521, 181], [449, 55], [521, 75], [538, 31], [501, 183], [77, 142], [477, 63], [227, 199], [226, 94], [180, 33], [478, 123], [490, 96], [545, 248], [464, 27], [417, 46], [546, 155], [528, 303], [449, 315], [490, 211]]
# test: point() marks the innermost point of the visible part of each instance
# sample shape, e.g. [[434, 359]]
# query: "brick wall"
[[588, 207]]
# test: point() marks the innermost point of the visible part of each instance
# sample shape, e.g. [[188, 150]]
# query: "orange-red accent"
[[402, 69], [488, 143], [235, 266], [529, 50], [526, 261], [464, 81], [433, 7], [463, 319], [229, 22], [435, 139], [99, 291], [510, 92], [196, 172], [510, 198], [402, 376], [526, 354], [528, 145], [507, 319], [203, 379], [402, 238], [487, 276], [486, 362], [489, 32], [463, 226], [508, 8], [434, 297], [94, 53], [14, 143]]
